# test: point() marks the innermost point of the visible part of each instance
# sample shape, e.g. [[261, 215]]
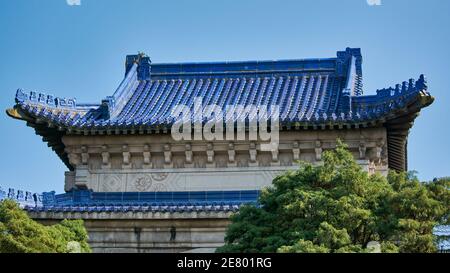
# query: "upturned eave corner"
[[426, 99], [398, 130], [13, 113], [16, 113]]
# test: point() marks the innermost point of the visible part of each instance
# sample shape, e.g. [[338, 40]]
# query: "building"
[[139, 189], [443, 238]]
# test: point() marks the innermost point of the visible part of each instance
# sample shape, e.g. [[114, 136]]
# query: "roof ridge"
[[245, 61]]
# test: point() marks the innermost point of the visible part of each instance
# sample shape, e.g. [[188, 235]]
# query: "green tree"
[[339, 207], [20, 234]]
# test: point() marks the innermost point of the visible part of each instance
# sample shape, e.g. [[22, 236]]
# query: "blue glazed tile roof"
[[182, 202], [88, 201], [23, 198], [169, 207], [308, 92]]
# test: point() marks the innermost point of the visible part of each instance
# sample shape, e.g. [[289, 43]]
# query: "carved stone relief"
[[112, 183], [143, 183]]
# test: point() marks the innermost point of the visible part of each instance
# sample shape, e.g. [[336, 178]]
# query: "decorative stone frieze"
[[95, 165]]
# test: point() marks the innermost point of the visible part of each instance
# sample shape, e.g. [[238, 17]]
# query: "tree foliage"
[[20, 234], [339, 207]]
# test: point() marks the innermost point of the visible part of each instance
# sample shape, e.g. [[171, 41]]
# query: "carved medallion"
[[143, 183]]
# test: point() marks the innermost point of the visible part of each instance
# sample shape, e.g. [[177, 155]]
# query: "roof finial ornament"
[[421, 83], [404, 86], [398, 89], [141, 54], [411, 85]]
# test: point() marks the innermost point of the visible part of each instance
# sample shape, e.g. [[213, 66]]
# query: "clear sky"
[[79, 51]]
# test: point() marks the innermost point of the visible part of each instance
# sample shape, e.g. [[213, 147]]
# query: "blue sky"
[[79, 51]]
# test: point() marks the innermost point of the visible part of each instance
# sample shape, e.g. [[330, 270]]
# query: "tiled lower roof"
[[170, 202], [23, 198], [88, 201], [163, 207]]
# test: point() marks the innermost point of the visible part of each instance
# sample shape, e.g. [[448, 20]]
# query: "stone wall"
[[110, 163], [142, 163], [136, 232]]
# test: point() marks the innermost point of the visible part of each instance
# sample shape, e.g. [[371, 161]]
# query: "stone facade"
[[140, 232], [140, 163]]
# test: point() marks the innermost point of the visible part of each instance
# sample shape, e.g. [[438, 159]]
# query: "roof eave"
[[398, 128], [52, 136]]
